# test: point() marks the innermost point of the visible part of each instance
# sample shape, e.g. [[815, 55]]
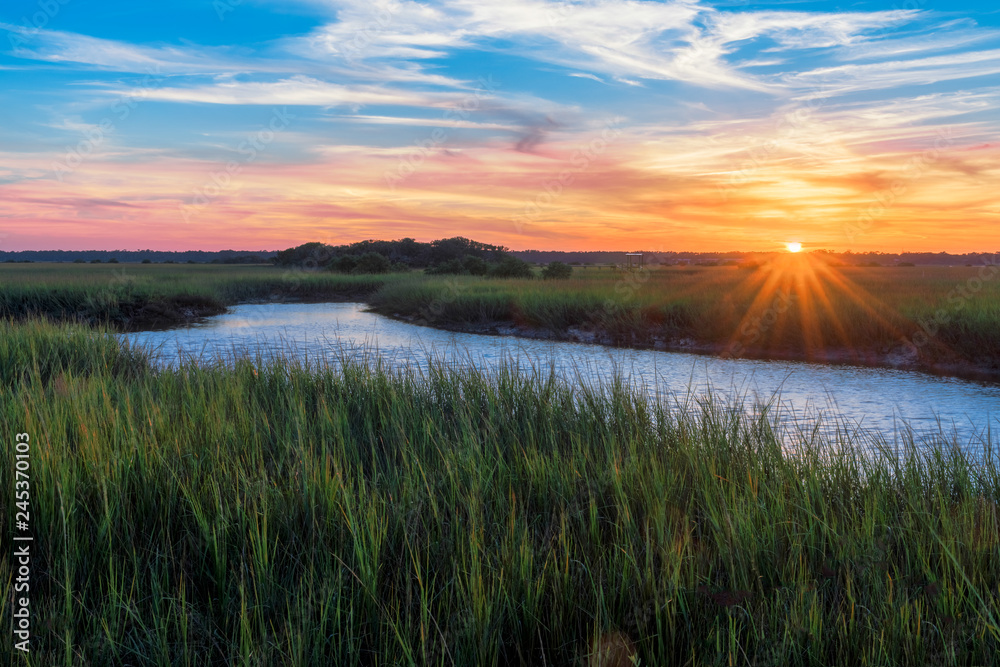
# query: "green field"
[[802, 308], [857, 314], [279, 515]]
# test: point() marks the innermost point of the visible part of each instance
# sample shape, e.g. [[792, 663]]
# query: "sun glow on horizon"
[[805, 292], [793, 246]]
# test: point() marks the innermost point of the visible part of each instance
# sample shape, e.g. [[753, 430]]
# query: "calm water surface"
[[874, 400]]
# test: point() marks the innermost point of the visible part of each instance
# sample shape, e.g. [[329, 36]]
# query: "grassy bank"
[[800, 308], [138, 296], [946, 318], [267, 515]]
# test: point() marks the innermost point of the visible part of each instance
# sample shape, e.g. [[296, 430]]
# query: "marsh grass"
[[858, 314], [861, 311], [132, 296], [279, 514]]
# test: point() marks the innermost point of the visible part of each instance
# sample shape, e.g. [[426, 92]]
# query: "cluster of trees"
[[369, 262], [557, 271], [452, 256], [507, 267], [413, 254]]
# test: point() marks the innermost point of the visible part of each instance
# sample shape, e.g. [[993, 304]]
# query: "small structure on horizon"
[[634, 261]]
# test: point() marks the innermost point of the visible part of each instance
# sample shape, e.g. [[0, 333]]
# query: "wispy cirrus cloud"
[[63, 47], [298, 90], [682, 41], [845, 79], [948, 36], [425, 122]]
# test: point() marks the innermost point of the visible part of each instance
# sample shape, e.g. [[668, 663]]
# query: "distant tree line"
[[140, 256], [916, 258], [250, 258], [462, 255], [604, 257]]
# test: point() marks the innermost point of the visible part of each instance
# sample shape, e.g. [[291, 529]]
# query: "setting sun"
[[794, 246]]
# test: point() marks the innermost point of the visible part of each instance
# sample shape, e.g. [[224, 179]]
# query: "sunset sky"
[[252, 124]]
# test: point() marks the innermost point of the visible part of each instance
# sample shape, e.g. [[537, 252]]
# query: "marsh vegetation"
[[943, 318], [275, 513]]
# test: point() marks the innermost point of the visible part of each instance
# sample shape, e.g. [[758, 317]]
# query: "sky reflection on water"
[[876, 400]]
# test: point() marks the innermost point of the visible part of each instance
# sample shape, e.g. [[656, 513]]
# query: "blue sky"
[[119, 119]]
